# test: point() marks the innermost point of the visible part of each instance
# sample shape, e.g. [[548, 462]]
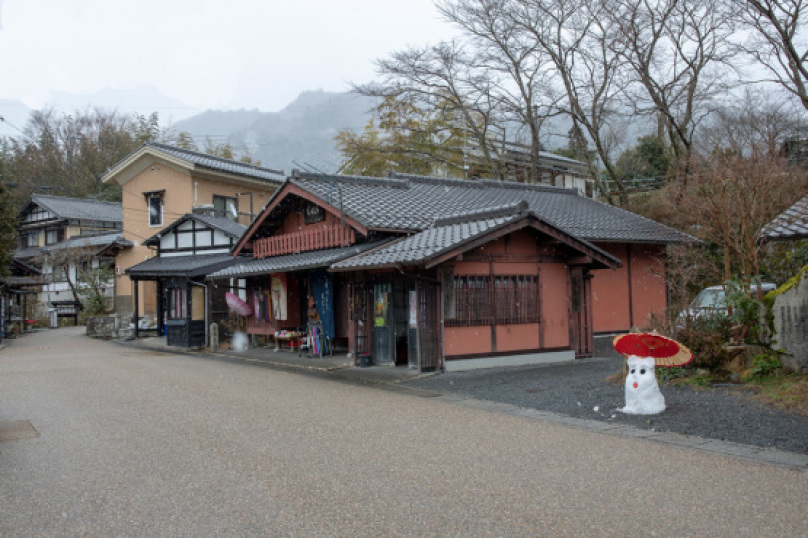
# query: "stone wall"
[[112, 327], [791, 323]]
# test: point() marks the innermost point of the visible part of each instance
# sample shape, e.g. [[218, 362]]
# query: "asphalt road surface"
[[99, 439]]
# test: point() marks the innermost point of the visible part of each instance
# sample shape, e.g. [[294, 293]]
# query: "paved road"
[[133, 442]]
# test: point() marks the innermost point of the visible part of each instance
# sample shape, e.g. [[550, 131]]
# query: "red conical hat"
[[664, 351]]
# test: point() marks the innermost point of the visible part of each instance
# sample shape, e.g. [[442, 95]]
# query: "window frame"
[[149, 200], [500, 299], [223, 202], [30, 239], [55, 233], [177, 303]]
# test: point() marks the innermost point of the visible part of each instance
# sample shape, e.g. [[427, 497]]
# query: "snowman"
[[643, 396], [644, 352]]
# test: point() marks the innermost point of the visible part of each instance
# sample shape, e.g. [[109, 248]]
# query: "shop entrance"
[[404, 321], [383, 324]]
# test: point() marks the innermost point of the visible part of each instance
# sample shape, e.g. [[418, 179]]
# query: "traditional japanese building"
[[160, 184], [439, 273], [189, 249], [65, 238]]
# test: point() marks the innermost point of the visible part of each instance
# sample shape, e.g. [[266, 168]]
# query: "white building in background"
[[65, 237]]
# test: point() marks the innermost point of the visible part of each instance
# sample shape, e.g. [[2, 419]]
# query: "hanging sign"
[[313, 213]]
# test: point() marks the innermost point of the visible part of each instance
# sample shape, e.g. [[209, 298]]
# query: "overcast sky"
[[202, 53]]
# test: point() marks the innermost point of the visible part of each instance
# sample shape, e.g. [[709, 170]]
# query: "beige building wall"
[[182, 192]]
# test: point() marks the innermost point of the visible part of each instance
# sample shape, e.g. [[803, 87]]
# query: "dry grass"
[[784, 392]]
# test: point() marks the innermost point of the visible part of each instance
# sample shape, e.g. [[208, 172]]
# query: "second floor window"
[[53, 236], [155, 210], [29, 239], [224, 206]]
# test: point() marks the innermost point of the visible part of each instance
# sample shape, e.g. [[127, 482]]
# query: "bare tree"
[[441, 77], [779, 42], [754, 120], [678, 51], [493, 79], [574, 36], [734, 196], [520, 70]]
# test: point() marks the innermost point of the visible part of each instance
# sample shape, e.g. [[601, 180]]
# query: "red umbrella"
[[238, 306], [665, 351]]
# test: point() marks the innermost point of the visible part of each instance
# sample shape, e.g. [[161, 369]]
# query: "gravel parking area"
[[579, 390]]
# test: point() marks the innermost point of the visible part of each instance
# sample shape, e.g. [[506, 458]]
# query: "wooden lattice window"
[[516, 299], [472, 301], [482, 300]]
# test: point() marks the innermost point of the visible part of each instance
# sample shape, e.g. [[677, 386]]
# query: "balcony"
[[313, 238]]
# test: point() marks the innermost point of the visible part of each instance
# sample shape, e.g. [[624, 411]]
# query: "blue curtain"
[[322, 286]]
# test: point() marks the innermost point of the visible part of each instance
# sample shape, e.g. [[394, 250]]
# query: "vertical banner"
[[278, 290], [322, 287]]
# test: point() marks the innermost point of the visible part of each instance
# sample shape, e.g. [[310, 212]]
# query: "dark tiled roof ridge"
[[790, 224], [176, 149], [482, 183], [354, 180], [505, 210], [398, 180], [224, 224], [655, 223], [38, 197]]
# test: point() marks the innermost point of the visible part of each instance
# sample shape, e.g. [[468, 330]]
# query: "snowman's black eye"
[[642, 372], [633, 370]]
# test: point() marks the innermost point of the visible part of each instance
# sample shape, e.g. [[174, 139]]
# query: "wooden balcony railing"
[[314, 238]]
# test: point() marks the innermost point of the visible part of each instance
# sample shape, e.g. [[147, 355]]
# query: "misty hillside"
[[14, 116], [299, 136]]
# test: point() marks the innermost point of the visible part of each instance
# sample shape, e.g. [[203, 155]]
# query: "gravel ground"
[[579, 389]]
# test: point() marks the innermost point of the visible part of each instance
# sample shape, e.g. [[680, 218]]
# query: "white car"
[[712, 301]]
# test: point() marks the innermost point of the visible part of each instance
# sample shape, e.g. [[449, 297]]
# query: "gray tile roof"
[[446, 234], [96, 242], [27, 253], [229, 227], [184, 266], [293, 262], [77, 208], [791, 224], [422, 246], [412, 203], [210, 162]]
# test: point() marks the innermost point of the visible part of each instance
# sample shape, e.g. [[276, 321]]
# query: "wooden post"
[[137, 310]]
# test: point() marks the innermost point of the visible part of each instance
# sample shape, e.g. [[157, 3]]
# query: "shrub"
[[766, 364], [706, 338], [744, 311]]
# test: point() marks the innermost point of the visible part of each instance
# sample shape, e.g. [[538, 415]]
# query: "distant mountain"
[[143, 100], [299, 136]]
